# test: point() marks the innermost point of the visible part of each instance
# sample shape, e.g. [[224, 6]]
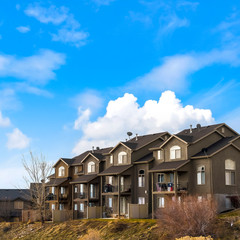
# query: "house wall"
[[119, 149], [237, 142], [67, 171], [85, 165], [227, 132]]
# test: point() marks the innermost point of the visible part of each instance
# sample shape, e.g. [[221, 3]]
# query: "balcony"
[[51, 197], [79, 195], [126, 188], [168, 187], [108, 188], [63, 197]]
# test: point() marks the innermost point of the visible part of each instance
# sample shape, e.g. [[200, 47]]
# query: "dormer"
[[91, 163], [62, 167], [119, 155]]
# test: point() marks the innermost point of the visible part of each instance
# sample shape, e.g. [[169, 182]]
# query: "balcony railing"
[[80, 195], [108, 188], [126, 188], [51, 197], [63, 197], [169, 187]]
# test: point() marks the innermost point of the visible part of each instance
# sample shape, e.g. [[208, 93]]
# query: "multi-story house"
[[148, 170]]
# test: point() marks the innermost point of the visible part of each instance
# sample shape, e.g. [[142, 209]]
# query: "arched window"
[[230, 169], [61, 171], [122, 158], [201, 175], [91, 167], [141, 178], [175, 152]]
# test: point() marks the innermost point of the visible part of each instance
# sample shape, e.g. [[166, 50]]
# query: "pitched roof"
[[84, 178], [56, 181], [144, 159], [197, 133], [169, 166], [140, 141], [13, 194], [115, 170], [215, 147]]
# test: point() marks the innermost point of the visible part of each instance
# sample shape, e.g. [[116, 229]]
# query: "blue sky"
[[76, 74]]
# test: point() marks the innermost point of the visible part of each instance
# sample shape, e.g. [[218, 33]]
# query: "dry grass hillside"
[[228, 227]]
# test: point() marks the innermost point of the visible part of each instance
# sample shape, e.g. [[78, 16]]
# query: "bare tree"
[[37, 172]]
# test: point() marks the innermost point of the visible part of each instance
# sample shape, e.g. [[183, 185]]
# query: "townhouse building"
[[149, 170]]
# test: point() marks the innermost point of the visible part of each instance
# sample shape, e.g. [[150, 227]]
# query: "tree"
[[188, 217], [37, 170]]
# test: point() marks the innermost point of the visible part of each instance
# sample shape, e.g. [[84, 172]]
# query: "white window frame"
[[81, 207], [230, 172], [122, 158], [201, 175], [53, 206], [160, 178], [161, 202], [75, 206], [61, 171], [141, 200], [93, 190], [175, 152], [61, 206], [75, 170], [111, 159], [81, 188], [110, 180], [53, 190], [91, 167], [141, 178], [159, 154], [75, 189], [110, 203], [62, 190]]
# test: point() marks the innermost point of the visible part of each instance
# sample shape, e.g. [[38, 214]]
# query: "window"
[[141, 200], [111, 159], [201, 175], [200, 198], [53, 206], [92, 191], [91, 167], [175, 152], [110, 202], [230, 167], [223, 130], [61, 171], [81, 188], [75, 189], [110, 180], [161, 202], [62, 190], [75, 170], [141, 178], [122, 158], [159, 154], [75, 207], [160, 177], [53, 190], [18, 205], [61, 206], [81, 207]]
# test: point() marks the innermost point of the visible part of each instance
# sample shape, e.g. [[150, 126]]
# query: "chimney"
[[198, 127], [92, 149], [97, 148], [136, 136], [191, 128]]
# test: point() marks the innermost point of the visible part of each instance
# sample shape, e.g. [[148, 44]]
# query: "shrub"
[[188, 217]]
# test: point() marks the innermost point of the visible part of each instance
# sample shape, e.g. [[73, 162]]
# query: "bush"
[[189, 217]]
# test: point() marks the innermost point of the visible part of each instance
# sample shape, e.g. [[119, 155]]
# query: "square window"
[[141, 200], [161, 202]]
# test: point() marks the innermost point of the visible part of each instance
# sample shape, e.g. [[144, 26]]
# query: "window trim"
[[140, 200], [121, 159], [141, 178], [162, 205], [230, 170], [201, 175], [61, 171], [173, 152], [91, 167]]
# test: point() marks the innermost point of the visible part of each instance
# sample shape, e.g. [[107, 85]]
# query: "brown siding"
[[60, 164], [91, 159]]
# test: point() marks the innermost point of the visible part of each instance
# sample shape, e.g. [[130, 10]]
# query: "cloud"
[[38, 69], [139, 17], [188, 5], [103, 2], [124, 114], [23, 29], [69, 28], [83, 118], [17, 140], [4, 121], [175, 70]]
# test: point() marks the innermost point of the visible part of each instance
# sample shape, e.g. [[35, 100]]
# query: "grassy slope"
[[109, 229]]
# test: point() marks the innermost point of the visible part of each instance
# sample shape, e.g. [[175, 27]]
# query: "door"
[[122, 205]]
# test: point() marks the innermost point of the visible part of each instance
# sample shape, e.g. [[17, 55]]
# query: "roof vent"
[[191, 128], [97, 148], [198, 126], [92, 149], [136, 136]]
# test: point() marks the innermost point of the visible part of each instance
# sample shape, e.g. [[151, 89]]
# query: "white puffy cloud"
[[69, 28], [38, 68], [124, 114], [83, 118], [23, 29], [4, 121], [17, 140]]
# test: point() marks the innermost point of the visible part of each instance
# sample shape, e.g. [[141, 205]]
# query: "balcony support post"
[[73, 195], [118, 196], [175, 184], [101, 190], [152, 197]]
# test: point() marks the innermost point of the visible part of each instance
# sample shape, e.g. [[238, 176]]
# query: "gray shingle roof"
[[84, 178], [196, 133], [13, 194], [142, 140], [146, 158], [215, 147], [169, 166], [115, 170], [56, 181]]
